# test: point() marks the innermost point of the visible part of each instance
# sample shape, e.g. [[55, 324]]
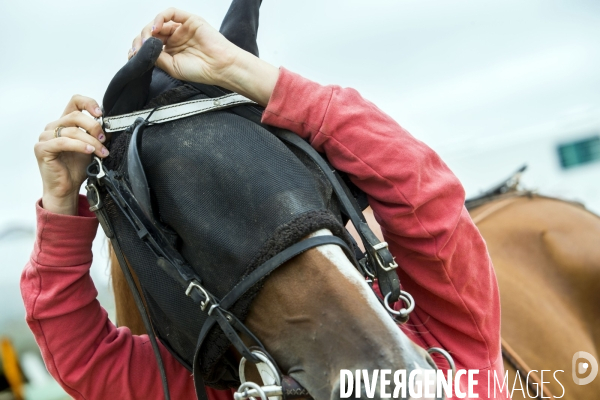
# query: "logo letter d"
[[582, 367]]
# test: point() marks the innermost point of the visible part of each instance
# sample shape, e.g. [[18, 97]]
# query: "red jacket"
[[415, 198]]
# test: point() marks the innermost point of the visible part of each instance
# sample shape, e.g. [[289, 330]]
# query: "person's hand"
[[194, 51], [63, 160]]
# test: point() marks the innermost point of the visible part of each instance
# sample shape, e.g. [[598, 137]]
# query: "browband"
[[172, 112]]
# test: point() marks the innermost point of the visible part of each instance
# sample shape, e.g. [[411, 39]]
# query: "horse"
[[303, 304], [547, 259]]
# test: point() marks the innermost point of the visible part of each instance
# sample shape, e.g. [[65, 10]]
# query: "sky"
[[490, 85]]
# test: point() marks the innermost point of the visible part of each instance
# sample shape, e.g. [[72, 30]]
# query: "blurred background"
[[489, 85]]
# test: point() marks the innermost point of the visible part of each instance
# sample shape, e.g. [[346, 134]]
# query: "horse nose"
[[423, 355], [424, 369], [417, 380]]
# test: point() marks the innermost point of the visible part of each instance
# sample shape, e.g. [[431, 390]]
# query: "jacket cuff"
[[64, 240]]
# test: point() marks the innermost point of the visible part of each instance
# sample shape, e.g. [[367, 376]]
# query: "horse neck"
[[547, 241], [572, 243]]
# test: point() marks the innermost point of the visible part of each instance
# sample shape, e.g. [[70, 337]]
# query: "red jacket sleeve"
[[419, 204], [88, 356]]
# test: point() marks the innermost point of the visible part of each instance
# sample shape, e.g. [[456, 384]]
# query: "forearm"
[[251, 77], [82, 349]]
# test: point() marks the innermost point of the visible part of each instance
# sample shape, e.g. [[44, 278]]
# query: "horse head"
[[196, 207]]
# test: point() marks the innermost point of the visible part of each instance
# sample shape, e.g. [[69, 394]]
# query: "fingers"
[[163, 34], [165, 62], [170, 14], [140, 39], [135, 46], [78, 135], [166, 31], [78, 119], [80, 103], [52, 148]]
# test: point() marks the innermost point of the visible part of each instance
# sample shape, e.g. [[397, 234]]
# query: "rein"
[[134, 201], [510, 355]]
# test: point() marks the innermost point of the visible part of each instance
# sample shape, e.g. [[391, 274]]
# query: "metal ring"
[[57, 131], [446, 355], [403, 312], [242, 392], [96, 206], [264, 359]]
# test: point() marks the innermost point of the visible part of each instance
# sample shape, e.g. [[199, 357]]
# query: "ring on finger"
[[57, 131]]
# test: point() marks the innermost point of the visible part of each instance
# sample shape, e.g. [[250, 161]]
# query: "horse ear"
[[129, 88], [240, 25]]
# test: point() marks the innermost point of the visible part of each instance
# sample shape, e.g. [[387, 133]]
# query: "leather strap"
[[522, 368], [238, 291], [379, 256], [137, 296], [174, 111], [270, 265]]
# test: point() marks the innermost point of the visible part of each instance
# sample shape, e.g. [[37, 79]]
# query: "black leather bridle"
[[131, 196]]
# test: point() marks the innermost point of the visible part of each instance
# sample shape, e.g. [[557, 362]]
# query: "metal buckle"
[[101, 173], [379, 246], [96, 206], [391, 266], [92, 187], [194, 284]]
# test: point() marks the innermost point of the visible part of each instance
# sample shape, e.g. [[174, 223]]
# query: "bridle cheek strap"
[[218, 312]]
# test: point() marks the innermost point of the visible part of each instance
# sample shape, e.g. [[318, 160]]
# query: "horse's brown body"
[[546, 253]]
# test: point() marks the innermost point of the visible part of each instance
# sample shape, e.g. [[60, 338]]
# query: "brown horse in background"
[[546, 253]]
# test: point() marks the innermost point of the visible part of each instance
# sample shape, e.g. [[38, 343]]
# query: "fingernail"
[[104, 151], [98, 111], [153, 27], [90, 148], [144, 40], [101, 137]]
